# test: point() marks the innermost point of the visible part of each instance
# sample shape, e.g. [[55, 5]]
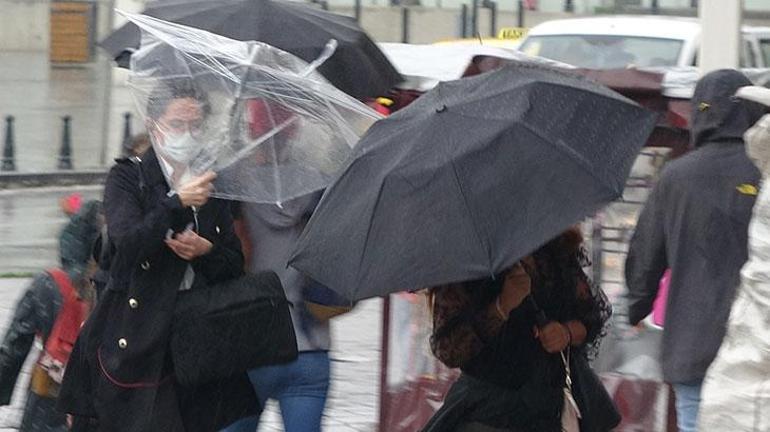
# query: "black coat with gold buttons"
[[120, 371]]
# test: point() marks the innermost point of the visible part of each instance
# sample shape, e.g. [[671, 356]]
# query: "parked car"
[[642, 41]]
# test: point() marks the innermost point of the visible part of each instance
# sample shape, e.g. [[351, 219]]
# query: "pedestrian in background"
[[695, 221], [52, 308], [269, 233]]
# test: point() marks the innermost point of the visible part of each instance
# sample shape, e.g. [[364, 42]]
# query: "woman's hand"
[[197, 191], [188, 245], [555, 336], [516, 287]]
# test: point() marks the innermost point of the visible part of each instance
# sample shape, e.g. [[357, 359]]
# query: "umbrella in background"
[[471, 177], [272, 128], [358, 67]]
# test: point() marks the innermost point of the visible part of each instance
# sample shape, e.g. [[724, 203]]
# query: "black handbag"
[[229, 328], [599, 413]]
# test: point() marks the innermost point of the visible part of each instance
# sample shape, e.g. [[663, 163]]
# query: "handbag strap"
[[565, 359]]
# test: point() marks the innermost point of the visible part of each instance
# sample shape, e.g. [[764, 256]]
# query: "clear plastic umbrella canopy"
[[266, 122]]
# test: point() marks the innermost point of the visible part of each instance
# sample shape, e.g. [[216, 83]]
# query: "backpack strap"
[[72, 314], [64, 284]]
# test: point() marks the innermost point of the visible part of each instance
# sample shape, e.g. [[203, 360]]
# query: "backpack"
[[49, 371]]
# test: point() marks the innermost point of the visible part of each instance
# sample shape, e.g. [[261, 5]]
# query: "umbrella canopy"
[[470, 178], [268, 123], [358, 67]]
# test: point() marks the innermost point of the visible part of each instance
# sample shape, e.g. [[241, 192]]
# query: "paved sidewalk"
[[354, 396]]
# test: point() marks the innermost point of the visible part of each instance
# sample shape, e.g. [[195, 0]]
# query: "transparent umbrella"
[[266, 122]]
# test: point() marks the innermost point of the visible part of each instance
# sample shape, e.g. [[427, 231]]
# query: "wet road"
[[30, 222]]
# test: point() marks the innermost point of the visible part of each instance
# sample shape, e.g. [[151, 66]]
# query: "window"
[[748, 58], [764, 48], [605, 51]]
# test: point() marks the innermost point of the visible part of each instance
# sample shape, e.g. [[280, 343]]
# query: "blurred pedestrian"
[[71, 204], [269, 235], [140, 143], [52, 308], [695, 221], [513, 376], [736, 391]]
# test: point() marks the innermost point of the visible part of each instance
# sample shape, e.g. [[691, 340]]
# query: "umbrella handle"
[[540, 317]]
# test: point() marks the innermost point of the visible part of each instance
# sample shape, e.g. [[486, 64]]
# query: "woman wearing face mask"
[[176, 122], [167, 236]]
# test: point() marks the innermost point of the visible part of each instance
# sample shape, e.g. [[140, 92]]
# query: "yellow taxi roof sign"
[[511, 33]]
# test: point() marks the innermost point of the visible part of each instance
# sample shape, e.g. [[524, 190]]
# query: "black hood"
[[717, 115]]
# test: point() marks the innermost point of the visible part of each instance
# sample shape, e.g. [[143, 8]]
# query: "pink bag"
[[659, 306]]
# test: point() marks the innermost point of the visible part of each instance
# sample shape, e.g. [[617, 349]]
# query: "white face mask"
[[181, 148]]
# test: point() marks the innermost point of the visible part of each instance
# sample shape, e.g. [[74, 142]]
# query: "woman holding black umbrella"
[[459, 186], [512, 361]]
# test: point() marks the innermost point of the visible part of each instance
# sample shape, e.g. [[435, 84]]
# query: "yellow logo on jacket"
[[748, 189]]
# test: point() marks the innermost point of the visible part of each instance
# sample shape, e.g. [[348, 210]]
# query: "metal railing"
[[64, 159]]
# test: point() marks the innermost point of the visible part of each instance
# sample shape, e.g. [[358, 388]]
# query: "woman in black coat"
[[165, 239], [513, 375]]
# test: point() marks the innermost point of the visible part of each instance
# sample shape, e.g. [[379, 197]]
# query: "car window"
[[748, 59], [604, 51], [764, 48]]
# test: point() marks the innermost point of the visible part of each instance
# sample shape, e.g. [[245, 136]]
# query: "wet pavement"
[[30, 222]]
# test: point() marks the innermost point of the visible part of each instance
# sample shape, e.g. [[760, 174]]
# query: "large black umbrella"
[[358, 67], [471, 177]]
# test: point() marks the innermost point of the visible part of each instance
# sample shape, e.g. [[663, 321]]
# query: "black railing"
[[9, 161], [65, 152], [64, 158]]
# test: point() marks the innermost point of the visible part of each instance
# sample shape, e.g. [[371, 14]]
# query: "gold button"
[[217, 229], [146, 265], [133, 303], [122, 343]]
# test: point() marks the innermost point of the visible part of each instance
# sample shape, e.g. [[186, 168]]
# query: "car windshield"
[[605, 51]]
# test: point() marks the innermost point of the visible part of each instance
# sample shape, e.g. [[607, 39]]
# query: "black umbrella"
[[470, 178], [358, 67]]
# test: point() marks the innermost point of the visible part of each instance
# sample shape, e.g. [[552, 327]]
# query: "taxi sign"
[[511, 33]]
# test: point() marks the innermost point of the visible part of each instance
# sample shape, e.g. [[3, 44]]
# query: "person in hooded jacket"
[[168, 236], [269, 234], [37, 311], [736, 391], [695, 221]]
